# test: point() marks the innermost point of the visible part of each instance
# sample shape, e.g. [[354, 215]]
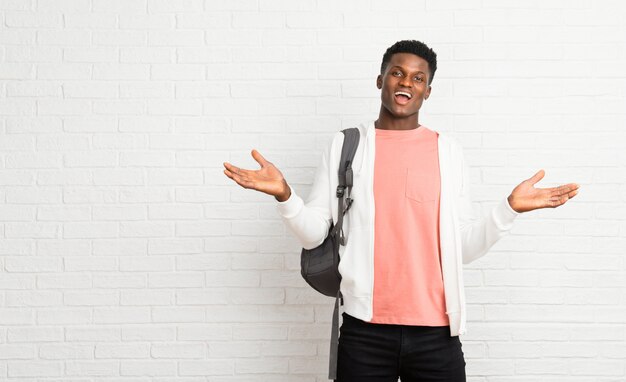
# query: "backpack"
[[320, 266]]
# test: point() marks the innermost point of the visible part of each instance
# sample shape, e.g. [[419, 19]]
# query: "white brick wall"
[[126, 255]]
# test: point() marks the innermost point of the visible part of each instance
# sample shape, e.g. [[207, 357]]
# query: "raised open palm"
[[525, 197], [267, 179]]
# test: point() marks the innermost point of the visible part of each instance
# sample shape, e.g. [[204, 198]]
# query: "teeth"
[[403, 93]]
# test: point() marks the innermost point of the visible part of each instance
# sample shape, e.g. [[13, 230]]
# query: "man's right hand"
[[268, 179]]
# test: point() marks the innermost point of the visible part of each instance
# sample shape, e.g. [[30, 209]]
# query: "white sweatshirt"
[[462, 238]]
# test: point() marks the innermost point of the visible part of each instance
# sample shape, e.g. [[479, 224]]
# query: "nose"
[[404, 81]]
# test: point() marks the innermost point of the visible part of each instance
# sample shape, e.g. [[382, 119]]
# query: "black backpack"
[[320, 266]]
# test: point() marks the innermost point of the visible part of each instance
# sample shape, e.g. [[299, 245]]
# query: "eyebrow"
[[399, 67]]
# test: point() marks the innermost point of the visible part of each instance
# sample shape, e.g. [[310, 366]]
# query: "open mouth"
[[403, 98]]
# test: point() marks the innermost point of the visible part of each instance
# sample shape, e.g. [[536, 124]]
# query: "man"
[[409, 230]]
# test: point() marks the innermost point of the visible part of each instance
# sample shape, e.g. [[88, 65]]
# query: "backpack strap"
[[346, 178], [334, 340], [344, 188]]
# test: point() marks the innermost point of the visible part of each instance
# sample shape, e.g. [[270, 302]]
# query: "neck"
[[386, 121]]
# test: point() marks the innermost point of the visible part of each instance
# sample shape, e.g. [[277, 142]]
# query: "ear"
[[427, 94], [379, 82]]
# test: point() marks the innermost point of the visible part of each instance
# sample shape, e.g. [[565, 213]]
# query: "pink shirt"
[[408, 281]]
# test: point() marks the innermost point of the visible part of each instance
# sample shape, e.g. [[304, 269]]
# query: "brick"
[[91, 334], [32, 230], [256, 332], [93, 124], [145, 264], [27, 125], [91, 263], [121, 351], [90, 89], [17, 108], [264, 365], [150, 298], [90, 159], [551, 366], [77, 195], [144, 55], [65, 6], [38, 334], [175, 38], [202, 368], [90, 298], [176, 280], [177, 177], [258, 20], [201, 89], [203, 262], [119, 247], [178, 350], [16, 247], [234, 349], [146, 195], [119, 281], [32, 298], [158, 6], [123, 71], [64, 316], [146, 21], [33, 88], [90, 20], [146, 229], [63, 248], [16, 213], [174, 246], [32, 20], [204, 55], [18, 37], [119, 107], [18, 369], [148, 333], [65, 352], [91, 368], [178, 314], [64, 107], [90, 230], [213, 19], [205, 332], [64, 37], [119, 6], [177, 72], [121, 315], [174, 212]]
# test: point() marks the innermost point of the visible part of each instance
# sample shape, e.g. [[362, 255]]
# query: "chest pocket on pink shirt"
[[420, 187]]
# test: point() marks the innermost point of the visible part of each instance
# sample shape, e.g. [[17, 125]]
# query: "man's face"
[[404, 84]]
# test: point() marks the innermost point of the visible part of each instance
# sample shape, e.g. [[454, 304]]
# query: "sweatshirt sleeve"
[[478, 235], [310, 221]]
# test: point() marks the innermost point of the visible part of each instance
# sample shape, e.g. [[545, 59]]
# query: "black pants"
[[383, 353]]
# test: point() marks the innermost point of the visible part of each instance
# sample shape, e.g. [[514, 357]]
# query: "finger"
[[556, 201], [240, 180], [228, 174], [236, 170], [565, 189], [259, 158], [537, 177], [571, 194]]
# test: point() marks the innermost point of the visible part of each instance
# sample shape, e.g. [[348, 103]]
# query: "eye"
[[396, 73], [419, 79]]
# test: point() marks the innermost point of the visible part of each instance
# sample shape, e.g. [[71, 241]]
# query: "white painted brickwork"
[[127, 256]]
